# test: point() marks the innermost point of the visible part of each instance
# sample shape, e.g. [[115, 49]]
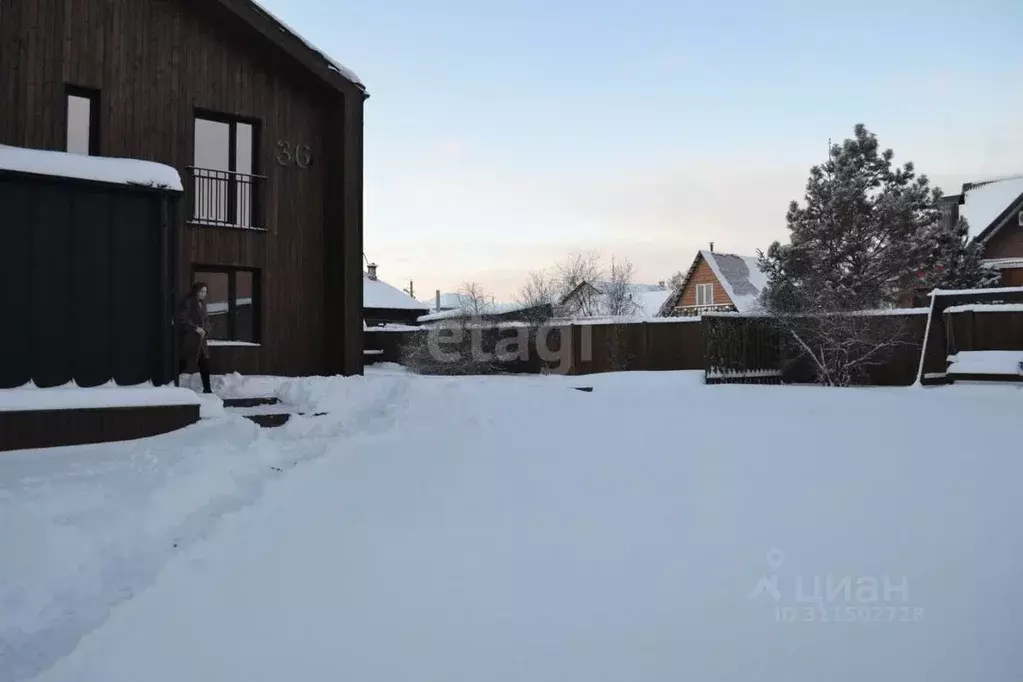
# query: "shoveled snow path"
[[514, 530], [83, 529]]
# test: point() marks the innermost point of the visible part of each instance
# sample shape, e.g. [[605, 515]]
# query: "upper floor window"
[[704, 294], [225, 184], [82, 130]]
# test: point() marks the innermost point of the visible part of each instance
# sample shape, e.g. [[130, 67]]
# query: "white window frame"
[[704, 294], [81, 125]]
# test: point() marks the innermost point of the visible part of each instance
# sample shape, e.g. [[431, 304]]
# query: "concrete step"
[[269, 421], [250, 402]]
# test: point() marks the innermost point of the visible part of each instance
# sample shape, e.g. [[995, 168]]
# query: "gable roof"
[[382, 296], [600, 286], [739, 276], [316, 61], [650, 302], [988, 205], [647, 298]]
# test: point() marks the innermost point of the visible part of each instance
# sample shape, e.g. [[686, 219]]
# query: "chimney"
[[371, 271], [712, 247], [437, 305]]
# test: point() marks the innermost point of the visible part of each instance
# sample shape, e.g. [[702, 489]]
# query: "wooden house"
[[994, 211], [266, 133], [717, 282]]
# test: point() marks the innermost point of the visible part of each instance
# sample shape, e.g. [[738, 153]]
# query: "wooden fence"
[[729, 348]]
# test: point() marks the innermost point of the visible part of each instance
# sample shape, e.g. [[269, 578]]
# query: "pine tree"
[[865, 232], [957, 262]]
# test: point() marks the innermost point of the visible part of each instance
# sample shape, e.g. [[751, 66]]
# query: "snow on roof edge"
[[116, 171], [331, 62]]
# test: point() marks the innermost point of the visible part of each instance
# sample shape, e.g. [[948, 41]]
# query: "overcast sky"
[[501, 136]]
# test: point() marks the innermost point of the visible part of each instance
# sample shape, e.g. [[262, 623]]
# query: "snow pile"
[[986, 362], [98, 168], [986, 202], [71, 397], [378, 294], [438, 541]]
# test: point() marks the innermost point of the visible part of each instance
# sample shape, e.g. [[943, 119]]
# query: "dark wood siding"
[[1007, 242], [154, 64], [58, 428]]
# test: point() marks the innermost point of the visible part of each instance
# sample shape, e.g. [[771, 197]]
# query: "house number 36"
[[300, 155]]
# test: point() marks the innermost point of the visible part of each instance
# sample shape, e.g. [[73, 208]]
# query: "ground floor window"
[[232, 302]]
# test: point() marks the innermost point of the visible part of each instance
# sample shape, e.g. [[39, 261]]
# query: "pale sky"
[[501, 136]]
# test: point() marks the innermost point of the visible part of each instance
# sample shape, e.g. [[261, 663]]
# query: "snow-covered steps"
[[251, 402], [267, 412]]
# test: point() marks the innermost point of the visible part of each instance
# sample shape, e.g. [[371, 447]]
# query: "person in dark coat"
[[193, 328]]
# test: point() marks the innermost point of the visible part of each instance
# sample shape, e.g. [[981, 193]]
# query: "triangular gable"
[[989, 205], [739, 277]]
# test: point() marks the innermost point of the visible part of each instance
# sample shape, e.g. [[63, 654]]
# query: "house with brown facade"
[[994, 211], [717, 282], [265, 131]]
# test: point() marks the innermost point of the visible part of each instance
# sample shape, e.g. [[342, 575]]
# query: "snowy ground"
[[508, 528]]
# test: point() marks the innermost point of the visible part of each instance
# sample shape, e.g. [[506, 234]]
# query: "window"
[[224, 170], [82, 131], [704, 294], [232, 302]]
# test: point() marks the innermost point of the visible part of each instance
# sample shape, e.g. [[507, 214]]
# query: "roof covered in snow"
[[486, 309], [984, 203], [739, 276], [602, 285], [382, 296], [448, 301], [333, 65], [650, 302], [95, 168]]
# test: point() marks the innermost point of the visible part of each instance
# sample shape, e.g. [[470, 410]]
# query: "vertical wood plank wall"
[[155, 62]]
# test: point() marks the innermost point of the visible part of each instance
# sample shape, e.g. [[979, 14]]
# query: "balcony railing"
[[226, 199]]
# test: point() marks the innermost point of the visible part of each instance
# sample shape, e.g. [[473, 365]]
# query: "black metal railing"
[[227, 199]]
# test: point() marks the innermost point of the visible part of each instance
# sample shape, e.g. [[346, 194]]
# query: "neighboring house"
[[717, 282], [265, 131], [383, 304], [491, 312], [590, 299], [442, 302], [994, 211]]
